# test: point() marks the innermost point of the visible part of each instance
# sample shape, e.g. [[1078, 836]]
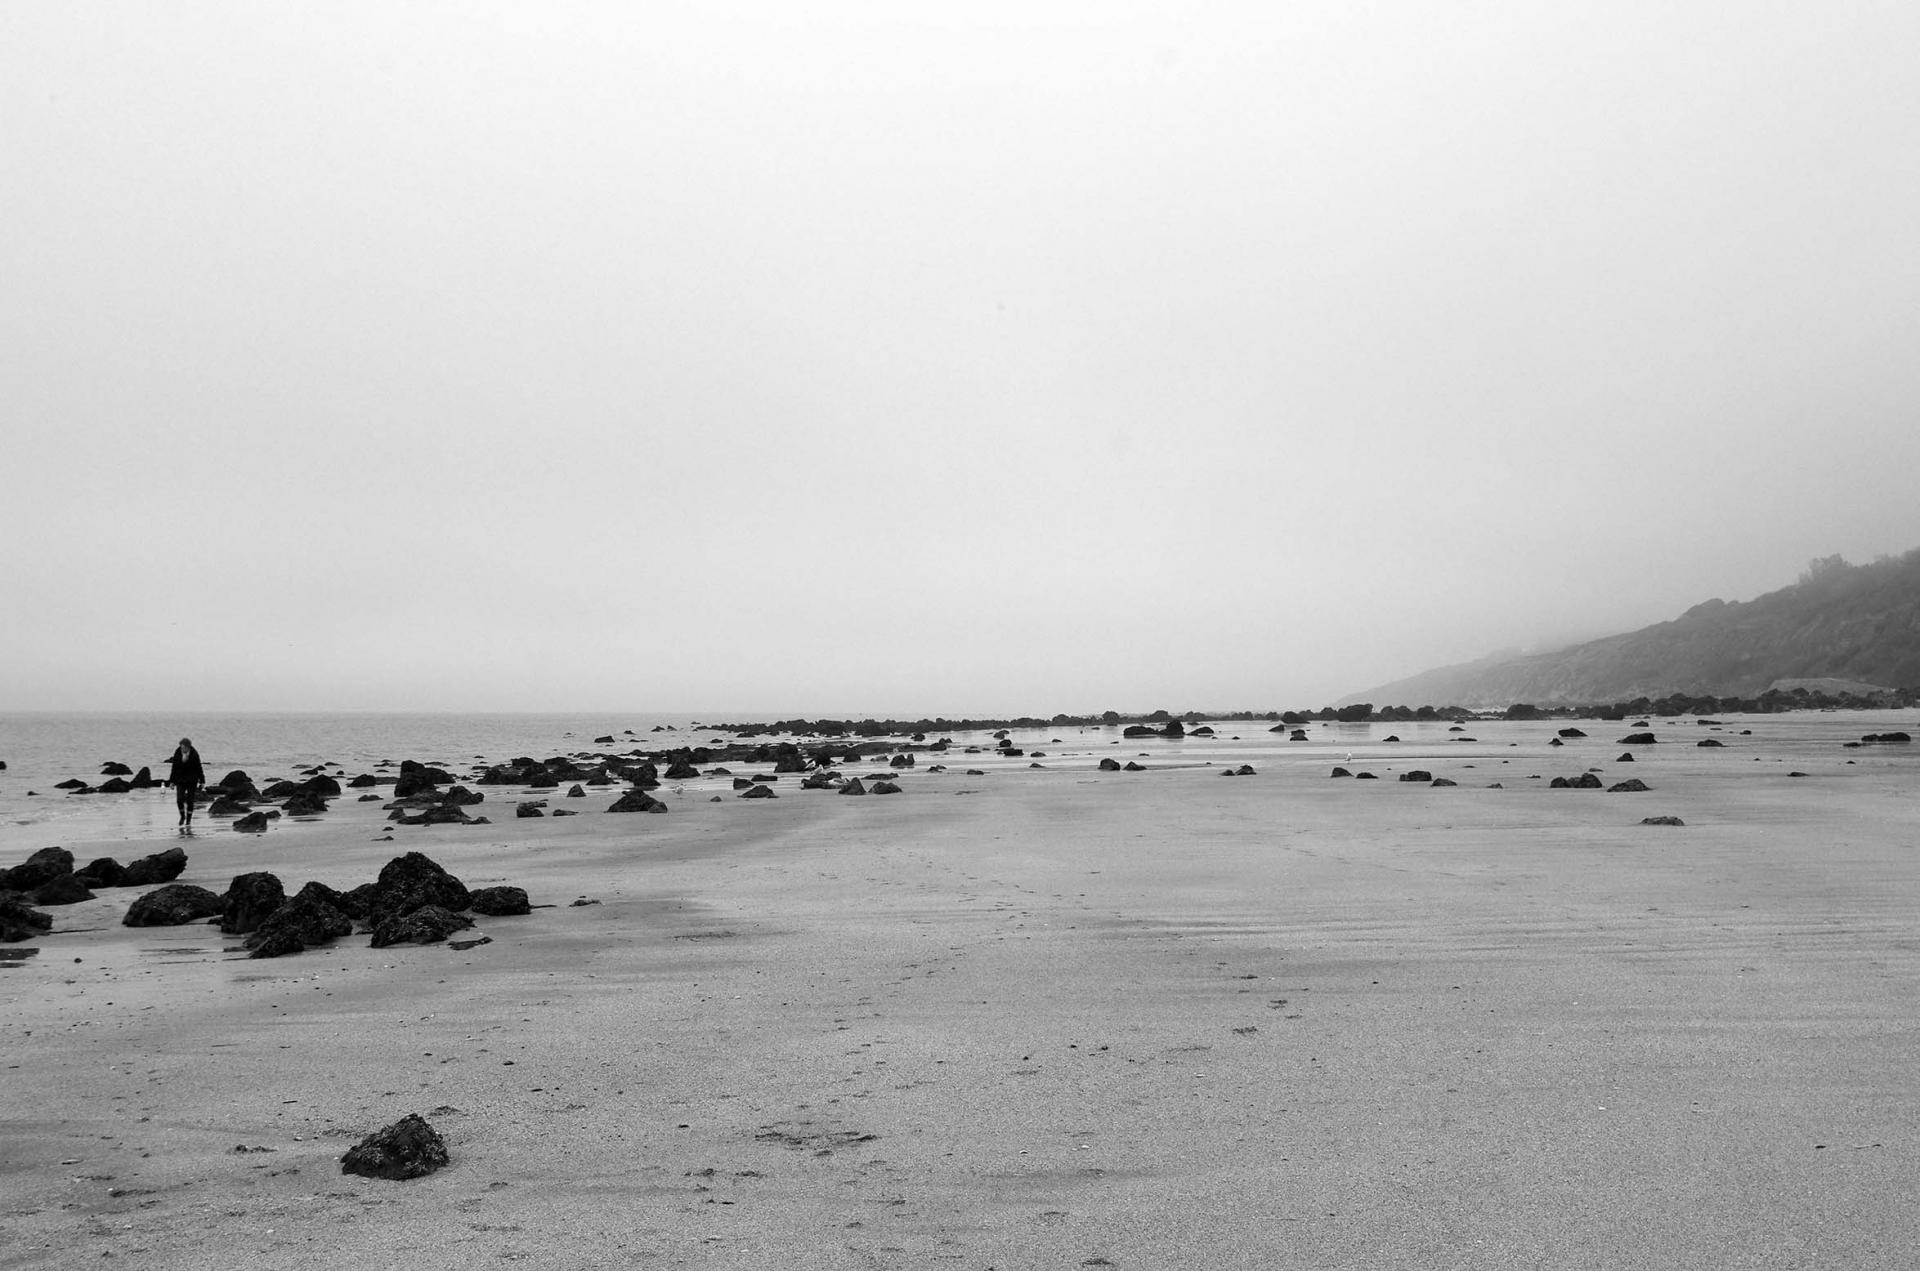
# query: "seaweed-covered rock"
[[249, 900], [532, 807], [102, 871], [409, 1148], [428, 924], [1632, 785], [414, 881], [1661, 820], [225, 804], [499, 901], [309, 919], [161, 867], [303, 803], [65, 889], [252, 823], [43, 866], [20, 920], [173, 905], [637, 800], [681, 772], [883, 787]]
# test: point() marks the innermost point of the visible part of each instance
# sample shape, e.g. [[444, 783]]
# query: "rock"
[[1885, 739], [20, 920], [1390, 737], [1661, 820], [143, 779], [566, 812], [758, 792], [1639, 739], [409, 1148], [71, 783], [637, 800], [111, 769], [855, 786], [1632, 785], [41, 867], [66, 889], [1416, 774], [883, 787], [100, 872], [900, 761], [1555, 741], [415, 881], [237, 785], [304, 804], [250, 899], [1707, 742], [576, 792], [252, 823], [114, 785], [461, 797], [681, 772], [225, 804], [1109, 765], [1132, 766], [161, 867], [1444, 781], [500, 901], [1338, 771], [1364, 776], [173, 905], [1571, 732], [322, 786], [535, 807], [310, 918], [1624, 758], [362, 781], [428, 924]]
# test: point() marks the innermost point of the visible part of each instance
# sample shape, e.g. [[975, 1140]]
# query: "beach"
[[1036, 1017]]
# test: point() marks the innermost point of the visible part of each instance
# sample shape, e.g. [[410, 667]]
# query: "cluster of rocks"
[[1589, 781], [1879, 739], [48, 878], [413, 901]]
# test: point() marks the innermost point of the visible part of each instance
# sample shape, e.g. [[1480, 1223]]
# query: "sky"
[[930, 359]]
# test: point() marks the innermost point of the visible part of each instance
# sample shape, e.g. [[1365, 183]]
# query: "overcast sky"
[[903, 358]]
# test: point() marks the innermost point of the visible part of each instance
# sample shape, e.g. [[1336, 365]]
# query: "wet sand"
[[1037, 1018]]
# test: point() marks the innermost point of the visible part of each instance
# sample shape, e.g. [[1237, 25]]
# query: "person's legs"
[[183, 798]]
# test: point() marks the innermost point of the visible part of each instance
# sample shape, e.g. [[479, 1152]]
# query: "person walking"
[[186, 778]]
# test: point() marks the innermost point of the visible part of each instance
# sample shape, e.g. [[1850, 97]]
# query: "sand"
[[1039, 1018]]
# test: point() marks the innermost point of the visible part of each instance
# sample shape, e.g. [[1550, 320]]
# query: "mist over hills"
[[1858, 623]]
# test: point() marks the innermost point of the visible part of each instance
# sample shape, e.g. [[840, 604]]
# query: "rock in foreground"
[[409, 1148]]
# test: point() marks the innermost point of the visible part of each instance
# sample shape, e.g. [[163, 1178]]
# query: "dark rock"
[[1390, 737], [1639, 739], [637, 800], [111, 769], [428, 924], [1338, 771], [42, 867], [413, 881], [362, 781], [1661, 820], [173, 905], [1624, 758], [252, 823], [250, 899], [161, 867], [461, 797], [1555, 741], [322, 785], [758, 792], [1132, 766], [310, 918], [681, 772], [1571, 732], [357, 902], [71, 783], [409, 1148], [900, 761], [1444, 781], [67, 889], [280, 790], [1885, 739], [1632, 785], [114, 785], [1109, 765], [500, 901], [102, 871], [305, 804], [1707, 742], [1416, 774], [226, 805], [143, 779], [854, 786], [1364, 776], [535, 807], [576, 792], [741, 783], [19, 920], [883, 787]]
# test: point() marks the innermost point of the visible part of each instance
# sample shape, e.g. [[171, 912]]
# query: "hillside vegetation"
[[1841, 622]]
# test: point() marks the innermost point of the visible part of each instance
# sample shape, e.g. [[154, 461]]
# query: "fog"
[[916, 359]]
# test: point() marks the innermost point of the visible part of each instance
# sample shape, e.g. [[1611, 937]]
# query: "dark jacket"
[[187, 774]]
